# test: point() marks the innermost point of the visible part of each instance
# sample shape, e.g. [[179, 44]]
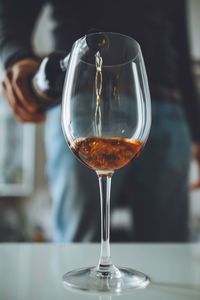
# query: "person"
[[155, 187]]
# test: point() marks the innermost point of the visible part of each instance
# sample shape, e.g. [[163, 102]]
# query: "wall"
[[194, 23], [194, 28]]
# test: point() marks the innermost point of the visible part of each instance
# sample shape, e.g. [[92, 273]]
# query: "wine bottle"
[[47, 84]]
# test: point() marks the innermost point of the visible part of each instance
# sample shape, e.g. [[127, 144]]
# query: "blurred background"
[[25, 201]]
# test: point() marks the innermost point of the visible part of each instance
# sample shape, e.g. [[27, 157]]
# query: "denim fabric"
[[154, 187]]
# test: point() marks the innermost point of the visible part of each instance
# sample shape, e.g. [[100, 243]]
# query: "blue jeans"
[[154, 187]]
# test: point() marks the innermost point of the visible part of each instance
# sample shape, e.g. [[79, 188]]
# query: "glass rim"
[[111, 33]]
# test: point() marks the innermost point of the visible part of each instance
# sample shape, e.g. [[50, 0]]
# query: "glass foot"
[[120, 281]]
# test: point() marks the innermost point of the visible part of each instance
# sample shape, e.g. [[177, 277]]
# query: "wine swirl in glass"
[[106, 118]]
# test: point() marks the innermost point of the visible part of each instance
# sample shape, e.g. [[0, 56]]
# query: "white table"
[[34, 271]]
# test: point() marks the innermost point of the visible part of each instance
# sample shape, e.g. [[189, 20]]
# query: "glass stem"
[[105, 263]]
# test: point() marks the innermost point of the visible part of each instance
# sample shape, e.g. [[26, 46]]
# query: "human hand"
[[196, 154], [17, 91]]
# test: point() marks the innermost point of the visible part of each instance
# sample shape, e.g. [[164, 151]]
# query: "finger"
[[6, 78], [195, 185], [31, 119], [4, 90], [3, 87], [8, 75], [23, 91], [25, 117], [20, 113]]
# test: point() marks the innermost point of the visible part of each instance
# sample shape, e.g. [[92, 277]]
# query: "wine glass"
[[106, 118]]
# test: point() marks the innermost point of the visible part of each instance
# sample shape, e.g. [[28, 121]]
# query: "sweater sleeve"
[[17, 19]]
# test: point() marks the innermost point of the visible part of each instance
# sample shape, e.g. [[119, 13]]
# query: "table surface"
[[34, 271]]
